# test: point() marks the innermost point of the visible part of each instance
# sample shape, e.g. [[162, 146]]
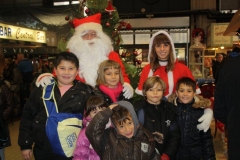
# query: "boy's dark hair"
[[236, 49], [92, 103], [188, 82], [120, 115], [66, 56]]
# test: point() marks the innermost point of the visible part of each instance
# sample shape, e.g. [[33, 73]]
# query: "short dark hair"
[[120, 115], [236, 49], [92, 103], [66, 56], [188, 82], [219, 54]]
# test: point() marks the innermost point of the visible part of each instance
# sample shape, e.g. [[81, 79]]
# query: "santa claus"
[[92, 46]]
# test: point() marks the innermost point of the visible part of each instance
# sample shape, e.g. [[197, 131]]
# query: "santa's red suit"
[[171, 77], [91, 52]]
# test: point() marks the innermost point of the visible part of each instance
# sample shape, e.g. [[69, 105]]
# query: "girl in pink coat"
[[84, 150]]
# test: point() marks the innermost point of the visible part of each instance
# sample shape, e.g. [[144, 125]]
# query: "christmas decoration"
[[87, 11], [110, 7], [67, 18], [107, 24], [128, 26]]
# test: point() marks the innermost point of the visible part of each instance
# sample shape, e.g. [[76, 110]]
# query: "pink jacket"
[[84, 150]]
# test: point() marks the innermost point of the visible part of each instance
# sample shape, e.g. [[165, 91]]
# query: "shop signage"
[[215, 36], [39, 50], [21, 34]]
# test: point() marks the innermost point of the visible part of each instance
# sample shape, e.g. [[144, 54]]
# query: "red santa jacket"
[[180, 70]]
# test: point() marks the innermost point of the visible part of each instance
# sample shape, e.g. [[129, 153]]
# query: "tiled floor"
[[13, 152]]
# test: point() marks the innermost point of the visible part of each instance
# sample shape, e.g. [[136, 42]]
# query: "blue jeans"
[[2, 157]]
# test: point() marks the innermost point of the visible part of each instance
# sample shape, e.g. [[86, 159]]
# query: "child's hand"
[[112, 106], [158, 137]]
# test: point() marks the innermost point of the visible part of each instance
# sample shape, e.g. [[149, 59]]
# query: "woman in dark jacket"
[[6, 109]]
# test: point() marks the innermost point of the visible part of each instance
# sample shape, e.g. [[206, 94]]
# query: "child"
[[84, 150], [126, 140], [159, 117], [110, 82], [195, 144], [70, 95]]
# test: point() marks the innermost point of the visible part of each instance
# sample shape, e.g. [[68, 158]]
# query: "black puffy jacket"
[[195, 144], [33, 120], [161, 118]]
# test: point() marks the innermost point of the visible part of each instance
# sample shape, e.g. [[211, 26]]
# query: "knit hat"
[[130, 108], [88, 23]]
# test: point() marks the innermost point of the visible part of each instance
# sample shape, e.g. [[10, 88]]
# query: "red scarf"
[[113, 93]]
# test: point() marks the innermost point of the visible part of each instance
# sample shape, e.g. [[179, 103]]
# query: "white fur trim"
[[150, 73], [169, 37], [170, 83], [198, 91], [139, 92], [88, 26]]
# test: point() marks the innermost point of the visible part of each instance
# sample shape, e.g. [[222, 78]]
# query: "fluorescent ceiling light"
[[75, 2], [64, 3], [61, 3]]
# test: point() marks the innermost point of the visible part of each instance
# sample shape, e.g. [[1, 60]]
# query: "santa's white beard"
[[90, 54]]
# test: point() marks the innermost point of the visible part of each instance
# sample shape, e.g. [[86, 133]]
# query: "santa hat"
[[88, 23]]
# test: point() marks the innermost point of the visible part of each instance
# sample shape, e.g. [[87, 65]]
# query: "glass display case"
[[196, 62]]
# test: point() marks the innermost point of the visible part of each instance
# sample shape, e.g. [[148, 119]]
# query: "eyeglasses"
[[89, 35]]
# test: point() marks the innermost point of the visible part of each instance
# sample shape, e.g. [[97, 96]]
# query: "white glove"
[[128, 90], [205, 119], [44, 79]]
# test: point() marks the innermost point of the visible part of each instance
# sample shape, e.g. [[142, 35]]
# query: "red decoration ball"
[[87, 11], [107, 24], [67, 18], [135, 53], [139, 62], [123, 54]]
